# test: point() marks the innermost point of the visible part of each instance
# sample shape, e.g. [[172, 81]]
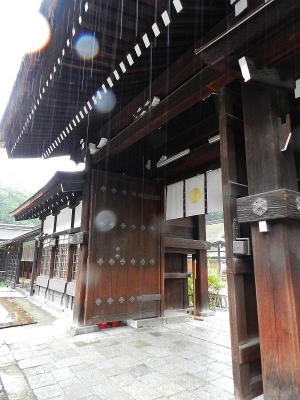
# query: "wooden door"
[[12, 264], [124, 259]]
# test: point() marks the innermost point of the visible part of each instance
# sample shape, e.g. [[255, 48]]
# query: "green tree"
[[10, 199]]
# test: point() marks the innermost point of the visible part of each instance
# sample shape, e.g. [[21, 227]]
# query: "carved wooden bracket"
[[278, 204], [268, 77]]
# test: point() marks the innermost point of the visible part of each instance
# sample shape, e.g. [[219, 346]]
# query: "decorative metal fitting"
[[132, 262], [260, 206], [124, 192], [100, 261], [98, 302], [123, 226], [103, 189], [114, 190], [133, 194], [143, 228], [110, 301], [117, 256], [152, 262], [111, 261], [152, 228], [121, 300], [122, 262], [133, 227], [118, 249], [143, 262], [132, 299]]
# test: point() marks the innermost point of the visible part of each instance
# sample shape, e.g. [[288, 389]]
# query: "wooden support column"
[[276, 253], [241, 286], [34, 266], [200, 279], [81, 275]]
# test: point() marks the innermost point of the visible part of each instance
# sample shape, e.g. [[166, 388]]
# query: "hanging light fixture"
[[167, 160]]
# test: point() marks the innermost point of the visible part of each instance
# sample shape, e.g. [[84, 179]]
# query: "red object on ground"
[[115, 324], [102, 325]]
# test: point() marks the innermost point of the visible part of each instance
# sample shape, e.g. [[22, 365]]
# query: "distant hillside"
[[11, 198]]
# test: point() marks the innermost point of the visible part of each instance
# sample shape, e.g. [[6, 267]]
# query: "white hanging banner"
[[64, 218], [174, 203], [214, 191], [77, 219], [194, 196], [48, 226]]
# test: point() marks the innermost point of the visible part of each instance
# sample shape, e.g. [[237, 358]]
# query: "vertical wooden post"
[[276, 253], [162, 248], [241, 290], [34, 265], [81, 275], [201, 299]]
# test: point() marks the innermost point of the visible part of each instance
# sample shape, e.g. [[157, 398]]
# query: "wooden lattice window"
[[46, 261], [75, 261], [61, 258], [12, 264]]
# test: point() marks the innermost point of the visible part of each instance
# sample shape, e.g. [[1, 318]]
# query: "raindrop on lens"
[[87, 46], [36, 33], [107, 102], [105, 221]]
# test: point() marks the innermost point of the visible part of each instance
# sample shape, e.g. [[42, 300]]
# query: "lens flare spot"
[[87, 46], [36, 33], [105, 221], [107, 102]]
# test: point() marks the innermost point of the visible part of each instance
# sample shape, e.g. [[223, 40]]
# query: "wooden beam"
[[245, 32], [197, 88], [186, 243], [276, 204], [176, 275], [177, 73], [249, 351], [268, 77]]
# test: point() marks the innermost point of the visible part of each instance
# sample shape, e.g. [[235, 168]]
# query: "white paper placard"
[[194, 196], [214, 191], [48, 226], [64, 219], [174, 203], [77, 219]]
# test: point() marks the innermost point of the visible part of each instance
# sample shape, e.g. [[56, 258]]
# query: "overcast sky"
[[14, 38]]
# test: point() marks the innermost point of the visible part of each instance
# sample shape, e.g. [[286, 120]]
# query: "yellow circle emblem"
[[195, 195]]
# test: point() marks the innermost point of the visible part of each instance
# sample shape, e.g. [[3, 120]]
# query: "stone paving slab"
[[188, 359]]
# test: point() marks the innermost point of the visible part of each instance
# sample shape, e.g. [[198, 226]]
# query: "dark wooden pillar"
[[200, 279], [240, 273], [277, 252], [81, 274], [34, 266]]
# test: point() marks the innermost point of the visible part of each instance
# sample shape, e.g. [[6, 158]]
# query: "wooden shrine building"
[[154, 96]]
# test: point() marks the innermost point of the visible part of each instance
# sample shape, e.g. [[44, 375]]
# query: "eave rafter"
[[113, 73], [64, 188]]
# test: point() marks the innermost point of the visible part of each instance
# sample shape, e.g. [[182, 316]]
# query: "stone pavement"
[[186, 360]]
